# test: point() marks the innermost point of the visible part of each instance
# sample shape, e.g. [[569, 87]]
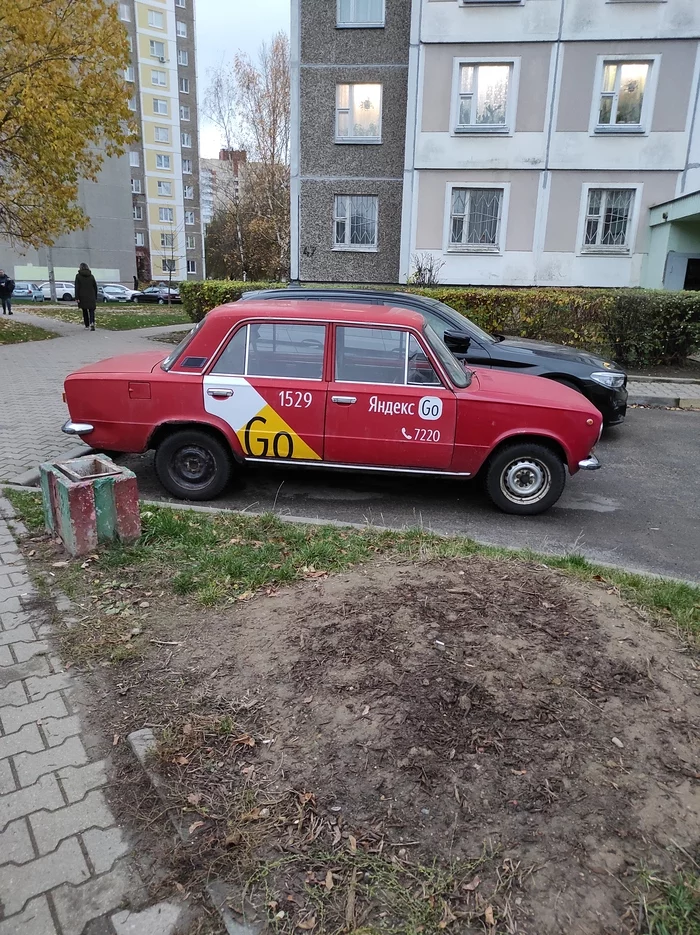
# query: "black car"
[[601, 381], [159, 294]]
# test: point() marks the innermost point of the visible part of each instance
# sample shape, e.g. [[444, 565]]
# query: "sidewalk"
[[683, 394]]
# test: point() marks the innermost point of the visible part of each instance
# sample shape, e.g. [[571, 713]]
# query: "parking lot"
[[642, 510]]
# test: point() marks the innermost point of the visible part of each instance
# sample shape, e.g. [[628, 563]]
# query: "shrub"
[[637, 327]]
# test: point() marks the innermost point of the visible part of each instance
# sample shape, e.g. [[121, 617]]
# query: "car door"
[[268, 385], [387, 406]]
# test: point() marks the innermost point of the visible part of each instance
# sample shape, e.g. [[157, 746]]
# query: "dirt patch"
[[446, 711]]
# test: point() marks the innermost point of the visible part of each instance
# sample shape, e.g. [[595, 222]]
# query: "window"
[[138, 212], [358, 112], [136, 186], [185, 85], [165, 188], [190, 242], [132, 103], [160, 106], [183, 57], [134, 159], [157, 48], [189, 217], [475, 219], [191, 266], [622, 93], [184, 111], [124, 13], [608, 220], [360, 13], [168, 266], [186, 140], [162, 161], [189, 192], [286, 350], [129, 73], [161, 135], [167, 240], [165, 215], [130, 43], [483, 97], [355, 222], [140, 239], [371, 355], [181, 3], [159, 77], [155, 19], [181, 29], [187, 167]]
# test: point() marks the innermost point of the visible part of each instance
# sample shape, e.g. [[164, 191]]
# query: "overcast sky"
[[224, 27]]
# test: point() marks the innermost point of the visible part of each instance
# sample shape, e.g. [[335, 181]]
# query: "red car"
[[332, 385]]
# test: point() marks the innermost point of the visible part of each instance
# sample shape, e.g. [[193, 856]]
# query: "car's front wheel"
[[193, 465], [525, 478], [134, 299]]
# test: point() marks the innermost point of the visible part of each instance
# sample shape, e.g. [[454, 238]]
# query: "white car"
[[65, 291], [117, 293]]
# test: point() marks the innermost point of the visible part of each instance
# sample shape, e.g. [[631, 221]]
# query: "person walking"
[[86, 295], [7, 287]]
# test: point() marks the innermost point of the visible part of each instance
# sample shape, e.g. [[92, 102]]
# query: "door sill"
[[368, 468]]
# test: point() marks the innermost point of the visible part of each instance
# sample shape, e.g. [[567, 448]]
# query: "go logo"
[[430, 408], [282, 442]]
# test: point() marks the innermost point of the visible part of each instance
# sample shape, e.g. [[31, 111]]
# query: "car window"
[[420, 370], [286, 350], [370, 355], [459, 376], [232, 360]]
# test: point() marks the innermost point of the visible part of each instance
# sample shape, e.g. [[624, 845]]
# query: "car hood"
[[525, 389], [544, 349], [144, 362]]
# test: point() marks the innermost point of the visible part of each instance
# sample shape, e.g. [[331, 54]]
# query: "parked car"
[[159, 294], [117, 293], [332, 385], [28, 291], [601, 381], [65, 291]]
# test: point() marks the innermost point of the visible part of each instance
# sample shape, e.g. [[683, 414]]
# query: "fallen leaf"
[[187, 730], [144, 604], [194, 798], [352, 841], [195, 824], [115, 740], [181, 760], [60, 564], [472, 885], [308, 925], [234, 838], [316, 574], [180, 888], [246, 596], [245, 739], [308, 699], [488, 916], [519, 772], [329, 881]]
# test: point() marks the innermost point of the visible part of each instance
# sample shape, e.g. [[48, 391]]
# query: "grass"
[[14, 332], [122, 318], [224, 557], [674, 906]]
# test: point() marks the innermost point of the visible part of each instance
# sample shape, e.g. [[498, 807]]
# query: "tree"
[[249, 102], [63, 109]]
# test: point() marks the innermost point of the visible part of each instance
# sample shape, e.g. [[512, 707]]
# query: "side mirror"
[[457, 341]]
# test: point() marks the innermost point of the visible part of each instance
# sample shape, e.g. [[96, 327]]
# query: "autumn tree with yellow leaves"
[[63, 110]]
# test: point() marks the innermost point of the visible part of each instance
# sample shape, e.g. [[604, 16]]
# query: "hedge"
[[637, 327]]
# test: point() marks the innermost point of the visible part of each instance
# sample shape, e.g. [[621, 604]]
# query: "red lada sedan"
[[332, 385]]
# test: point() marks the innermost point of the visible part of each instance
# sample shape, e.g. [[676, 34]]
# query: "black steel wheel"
[[525, 478], [193, 465]]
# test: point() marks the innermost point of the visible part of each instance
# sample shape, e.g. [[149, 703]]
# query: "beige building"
[[221, 181], [164, 165]]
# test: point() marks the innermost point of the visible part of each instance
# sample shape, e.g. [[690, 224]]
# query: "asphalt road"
[[641, 511]]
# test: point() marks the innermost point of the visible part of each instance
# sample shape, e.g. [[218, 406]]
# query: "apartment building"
[[164, 163], [518, 142], [220, 181]]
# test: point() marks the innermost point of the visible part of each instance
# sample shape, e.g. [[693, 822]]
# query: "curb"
[[639, 378], [671, 402], [31, 478]]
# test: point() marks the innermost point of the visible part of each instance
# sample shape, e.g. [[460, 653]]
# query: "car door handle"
[[219, 393], [344, 400]]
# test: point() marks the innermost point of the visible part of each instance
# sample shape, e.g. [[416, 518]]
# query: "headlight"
[[612, 380]]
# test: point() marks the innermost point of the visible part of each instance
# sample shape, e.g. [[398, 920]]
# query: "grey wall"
[[330, 56]]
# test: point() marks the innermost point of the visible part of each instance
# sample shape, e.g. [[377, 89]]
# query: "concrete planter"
[[88, 501]]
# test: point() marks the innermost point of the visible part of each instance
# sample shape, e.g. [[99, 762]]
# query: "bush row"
[[637, 327]]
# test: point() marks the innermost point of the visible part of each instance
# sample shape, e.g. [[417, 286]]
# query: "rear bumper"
[[591, 463], [77, 428]]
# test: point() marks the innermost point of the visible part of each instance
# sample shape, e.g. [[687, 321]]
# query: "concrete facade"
[[539, 135]]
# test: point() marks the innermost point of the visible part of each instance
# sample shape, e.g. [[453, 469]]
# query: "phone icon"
[[407, 435]]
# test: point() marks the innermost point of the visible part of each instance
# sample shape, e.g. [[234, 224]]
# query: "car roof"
[[346, 312], [331, 291]]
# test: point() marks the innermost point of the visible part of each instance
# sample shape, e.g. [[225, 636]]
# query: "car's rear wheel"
[[66, 297], [525, 478], [134, 299], [193, 465], [161, 301]]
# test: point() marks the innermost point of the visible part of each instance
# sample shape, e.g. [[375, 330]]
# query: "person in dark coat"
[[86, 295], [7, 287]]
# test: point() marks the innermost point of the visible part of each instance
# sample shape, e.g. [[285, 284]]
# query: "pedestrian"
[[86, 295], [136, 283], [7, 287]]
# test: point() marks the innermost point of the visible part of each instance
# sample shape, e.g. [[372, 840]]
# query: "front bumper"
[[77, 428], [611, 403], [591, 463]]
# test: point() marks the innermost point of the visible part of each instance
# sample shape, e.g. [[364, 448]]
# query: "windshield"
[[459, 320], [176, 351], [459, 376]]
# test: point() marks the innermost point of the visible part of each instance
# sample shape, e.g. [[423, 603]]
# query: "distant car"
[[29, 291], [332, 385], [117, 293], [101, 295], [601, 381], [159, 294], [65, 291]]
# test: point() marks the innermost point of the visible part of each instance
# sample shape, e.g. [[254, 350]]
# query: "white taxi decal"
[[262, 432]]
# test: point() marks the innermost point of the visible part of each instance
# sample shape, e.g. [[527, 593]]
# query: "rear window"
[[280, 349], [176, 352]]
